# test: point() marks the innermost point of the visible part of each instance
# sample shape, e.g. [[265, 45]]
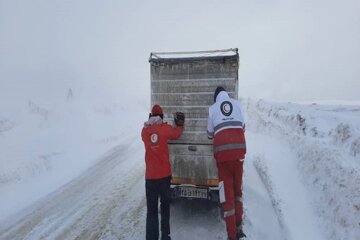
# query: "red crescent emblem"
[[154, 138]]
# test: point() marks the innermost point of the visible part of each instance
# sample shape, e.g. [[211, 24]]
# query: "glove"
[[179, 119]]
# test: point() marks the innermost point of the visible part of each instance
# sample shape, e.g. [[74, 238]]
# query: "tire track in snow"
[[276, 202], [260, 220]]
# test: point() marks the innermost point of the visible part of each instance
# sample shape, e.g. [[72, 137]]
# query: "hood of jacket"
[[154, 120], [222, 96]]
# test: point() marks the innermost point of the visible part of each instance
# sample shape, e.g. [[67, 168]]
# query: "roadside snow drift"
[[325, 142]]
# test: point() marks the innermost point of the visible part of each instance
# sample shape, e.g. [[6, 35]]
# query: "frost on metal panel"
[[186, 81]]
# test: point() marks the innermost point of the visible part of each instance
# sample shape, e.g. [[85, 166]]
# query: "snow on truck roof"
[[231, 53]]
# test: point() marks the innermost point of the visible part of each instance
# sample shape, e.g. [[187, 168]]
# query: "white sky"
[[289, 50]]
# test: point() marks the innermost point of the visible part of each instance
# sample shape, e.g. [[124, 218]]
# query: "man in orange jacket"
[[226, 126], [155, 135]]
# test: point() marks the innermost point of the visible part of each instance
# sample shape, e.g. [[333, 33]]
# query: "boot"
[[167, 237], [239, 233]]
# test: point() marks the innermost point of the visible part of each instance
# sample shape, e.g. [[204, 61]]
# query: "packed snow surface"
[[77, 172]]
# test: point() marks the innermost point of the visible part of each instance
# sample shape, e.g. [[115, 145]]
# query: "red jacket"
[[155, 138]]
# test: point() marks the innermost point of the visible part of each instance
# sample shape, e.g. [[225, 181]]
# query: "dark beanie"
[[217, 91]]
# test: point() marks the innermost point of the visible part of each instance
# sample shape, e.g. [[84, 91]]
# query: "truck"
[[185, 82]]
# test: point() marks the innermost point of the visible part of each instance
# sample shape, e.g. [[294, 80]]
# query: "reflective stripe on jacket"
[[155, 138], [226, 126]]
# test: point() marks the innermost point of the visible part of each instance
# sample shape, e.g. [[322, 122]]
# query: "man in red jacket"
[[226, 126], [155, 135]]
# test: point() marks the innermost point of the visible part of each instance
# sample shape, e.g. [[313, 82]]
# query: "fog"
[[289, 50]]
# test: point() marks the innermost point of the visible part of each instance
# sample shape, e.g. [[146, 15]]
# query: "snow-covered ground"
[[44, 145], [77, 171], [309, 155]]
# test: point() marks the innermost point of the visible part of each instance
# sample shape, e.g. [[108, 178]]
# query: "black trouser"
[[156, 188]]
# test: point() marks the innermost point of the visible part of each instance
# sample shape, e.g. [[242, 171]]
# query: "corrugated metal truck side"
[[185, 82]]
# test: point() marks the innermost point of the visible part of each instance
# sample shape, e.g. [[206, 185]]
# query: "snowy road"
[[89, 206], [108, 202]]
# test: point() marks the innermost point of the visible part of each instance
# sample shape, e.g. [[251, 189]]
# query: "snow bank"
[[325, 139]]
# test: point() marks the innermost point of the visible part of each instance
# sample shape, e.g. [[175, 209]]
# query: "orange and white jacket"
[[226, 126]]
